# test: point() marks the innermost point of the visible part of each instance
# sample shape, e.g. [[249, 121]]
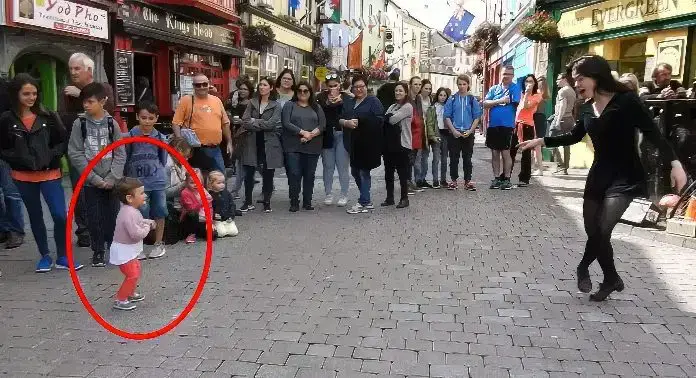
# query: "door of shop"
[[214, 74], [52, 74]]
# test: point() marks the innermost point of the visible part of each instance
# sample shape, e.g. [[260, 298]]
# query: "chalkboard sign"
[[125, 84]]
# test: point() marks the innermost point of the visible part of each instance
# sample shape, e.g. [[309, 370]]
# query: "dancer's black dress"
[[616, 176]]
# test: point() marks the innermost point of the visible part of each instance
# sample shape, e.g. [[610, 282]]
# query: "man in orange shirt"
[[205, 115]]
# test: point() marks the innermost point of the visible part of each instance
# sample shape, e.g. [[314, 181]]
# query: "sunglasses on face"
[[200, 85], [303, 91]]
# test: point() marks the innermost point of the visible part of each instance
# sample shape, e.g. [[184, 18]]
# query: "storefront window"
[[305, 73], [632, 57], [251, 65], [289, 63], [272, 65]]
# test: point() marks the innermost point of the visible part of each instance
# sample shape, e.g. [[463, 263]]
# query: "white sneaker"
[[369, 206], [142, 256], [158, 251], [329, 200], [357, 209], [343, 201], [538, 172]]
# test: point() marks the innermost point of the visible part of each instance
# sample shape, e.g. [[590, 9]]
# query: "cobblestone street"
[[461, 284]]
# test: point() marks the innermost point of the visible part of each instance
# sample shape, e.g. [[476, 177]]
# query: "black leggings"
[[267, 186], [600, 217], [399, 162]]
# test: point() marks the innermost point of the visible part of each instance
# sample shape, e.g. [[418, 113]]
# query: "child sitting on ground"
[[131, 229], [223, 205], [192, 211]]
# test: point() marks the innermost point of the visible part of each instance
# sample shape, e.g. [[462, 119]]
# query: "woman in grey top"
[[563, 120], [398, 143], [303, 123]]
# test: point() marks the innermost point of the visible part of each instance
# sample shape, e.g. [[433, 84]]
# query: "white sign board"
[[62, 15]]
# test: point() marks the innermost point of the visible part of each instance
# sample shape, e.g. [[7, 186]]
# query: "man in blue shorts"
[[502, 100]]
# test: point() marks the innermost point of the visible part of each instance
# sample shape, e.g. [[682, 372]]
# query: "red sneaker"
[[469, 186], [191, 239], [452, 185]]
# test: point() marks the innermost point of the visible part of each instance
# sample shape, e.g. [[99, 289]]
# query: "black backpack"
[[83, 128]]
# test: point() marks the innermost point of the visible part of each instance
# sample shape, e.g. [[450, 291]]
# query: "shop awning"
[[154, 33]]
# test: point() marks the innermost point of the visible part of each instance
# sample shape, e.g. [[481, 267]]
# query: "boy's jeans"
[[102, 207]]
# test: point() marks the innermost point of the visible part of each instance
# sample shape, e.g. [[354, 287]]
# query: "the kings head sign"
[[614, 14], [142, 15]]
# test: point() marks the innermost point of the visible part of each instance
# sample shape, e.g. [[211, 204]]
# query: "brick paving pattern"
[[459, 285]]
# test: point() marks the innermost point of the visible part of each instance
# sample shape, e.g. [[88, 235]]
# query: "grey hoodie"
[[82, 151]]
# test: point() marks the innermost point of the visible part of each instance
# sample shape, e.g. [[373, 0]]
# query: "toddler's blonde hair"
[[213, 177]]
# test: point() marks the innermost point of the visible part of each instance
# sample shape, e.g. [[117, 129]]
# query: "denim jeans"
[[440, 155], [53, 194], [336, 158], [301, 173], [11, 214], [238, 178], [363, 180], [80, 215], [209, 158], [420, 166], [102, 207]]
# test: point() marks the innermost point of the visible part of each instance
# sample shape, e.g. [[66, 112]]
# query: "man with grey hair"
[[69, 107]]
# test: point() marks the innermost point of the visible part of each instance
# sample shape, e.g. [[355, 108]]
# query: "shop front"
[[292, 48], [159, 50], [39, 38], [634, 36]]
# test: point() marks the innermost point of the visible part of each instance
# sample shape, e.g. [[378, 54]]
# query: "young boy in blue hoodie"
[[147, 162], [91, 133]]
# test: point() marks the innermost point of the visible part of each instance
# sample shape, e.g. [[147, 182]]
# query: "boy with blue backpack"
[[147, 163]]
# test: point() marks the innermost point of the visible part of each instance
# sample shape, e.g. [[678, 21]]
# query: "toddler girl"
[[131, 229], [192, 210], [223, 205]]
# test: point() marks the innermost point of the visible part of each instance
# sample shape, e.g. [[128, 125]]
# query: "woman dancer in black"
[[610, 116]]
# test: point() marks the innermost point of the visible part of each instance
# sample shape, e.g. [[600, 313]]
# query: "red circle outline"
[[208, 251]]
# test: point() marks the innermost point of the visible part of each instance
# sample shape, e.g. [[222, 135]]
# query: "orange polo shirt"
[[207, 120]]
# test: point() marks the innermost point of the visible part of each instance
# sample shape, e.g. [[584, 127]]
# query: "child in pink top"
[[130, 231], [193, 213]]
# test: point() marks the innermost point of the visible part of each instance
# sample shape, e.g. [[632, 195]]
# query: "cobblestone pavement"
[[459, 285]]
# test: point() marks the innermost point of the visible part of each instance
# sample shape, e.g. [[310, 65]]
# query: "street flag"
[[335, 14], [355, 52], [380, 63], [458, 24]]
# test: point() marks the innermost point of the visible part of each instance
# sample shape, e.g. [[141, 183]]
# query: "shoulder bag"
[[187, 133]]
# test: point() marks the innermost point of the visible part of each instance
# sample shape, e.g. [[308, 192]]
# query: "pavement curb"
[[656, 235]]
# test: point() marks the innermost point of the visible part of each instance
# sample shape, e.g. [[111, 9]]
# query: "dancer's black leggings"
[[600, 217]]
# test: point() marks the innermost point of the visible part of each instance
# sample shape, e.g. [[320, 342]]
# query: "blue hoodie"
[[147, 162], [462, 111]]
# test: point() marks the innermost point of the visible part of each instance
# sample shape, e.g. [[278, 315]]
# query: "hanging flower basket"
[[321, 56], [477, 69], [258, 37], [485, 35], [374, 73], [539, 27]]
